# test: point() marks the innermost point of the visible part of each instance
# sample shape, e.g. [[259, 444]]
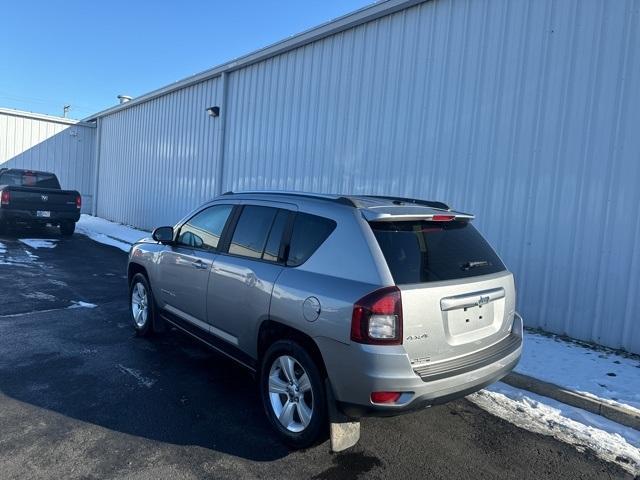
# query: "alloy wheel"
[[290, 393]]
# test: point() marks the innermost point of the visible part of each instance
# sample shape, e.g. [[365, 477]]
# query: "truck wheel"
[[293, 395], [67, 228], [142, 305], [3, 227]]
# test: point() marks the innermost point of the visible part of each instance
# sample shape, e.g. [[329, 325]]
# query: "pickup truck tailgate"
[[27, 198]]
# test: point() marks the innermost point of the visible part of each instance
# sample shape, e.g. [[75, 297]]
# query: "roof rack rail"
[[416, 201], [316, 196]]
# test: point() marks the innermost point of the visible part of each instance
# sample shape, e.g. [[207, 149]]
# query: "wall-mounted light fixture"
[[213, 111]]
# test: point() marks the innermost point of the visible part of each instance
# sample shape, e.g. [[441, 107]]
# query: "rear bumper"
[[31, 216], [369, 369]]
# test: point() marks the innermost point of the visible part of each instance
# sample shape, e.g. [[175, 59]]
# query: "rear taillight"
[[5, 197], [78, 202], [377, 318]]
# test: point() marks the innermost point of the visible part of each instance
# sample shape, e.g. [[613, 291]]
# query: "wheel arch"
[[134, 268], [271, 331]]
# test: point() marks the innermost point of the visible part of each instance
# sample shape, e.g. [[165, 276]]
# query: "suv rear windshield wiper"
[[474, 264]]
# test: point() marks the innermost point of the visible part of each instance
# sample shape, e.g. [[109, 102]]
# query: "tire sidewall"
[[314, 431], [147, 328], [67, 229]]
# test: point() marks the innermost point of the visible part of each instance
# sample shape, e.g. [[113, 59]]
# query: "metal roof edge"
[[337, 25], [42, 116]]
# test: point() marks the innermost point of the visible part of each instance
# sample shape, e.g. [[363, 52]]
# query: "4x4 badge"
[[417, 337]]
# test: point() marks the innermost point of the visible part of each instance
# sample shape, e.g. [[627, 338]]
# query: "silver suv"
[[379, 305]]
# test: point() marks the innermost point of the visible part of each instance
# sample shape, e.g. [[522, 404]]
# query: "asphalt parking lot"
[[82, 397]]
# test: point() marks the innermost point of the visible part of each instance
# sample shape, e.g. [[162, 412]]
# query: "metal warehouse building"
[[523, 112]]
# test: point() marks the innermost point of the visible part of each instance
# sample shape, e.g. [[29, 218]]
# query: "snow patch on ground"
[[39, 242], [142, 380], [3, 248], [109, 233], [596, 372], [81, 304], [608, 440], [38, 296]]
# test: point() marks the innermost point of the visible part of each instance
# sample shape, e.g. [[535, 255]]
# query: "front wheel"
[[142, 306], [293, 395], [67, 228]]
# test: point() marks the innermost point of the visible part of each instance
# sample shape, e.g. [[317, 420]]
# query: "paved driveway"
[[82, 397]]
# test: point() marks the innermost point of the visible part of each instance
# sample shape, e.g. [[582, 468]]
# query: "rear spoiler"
[[406, 214]]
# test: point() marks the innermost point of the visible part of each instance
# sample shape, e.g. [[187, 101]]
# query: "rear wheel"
[[67, 228], [142, 306], [293, 394]]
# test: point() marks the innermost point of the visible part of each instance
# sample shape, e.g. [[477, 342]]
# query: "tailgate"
[[25, 198], [457, 295], [449, 319]]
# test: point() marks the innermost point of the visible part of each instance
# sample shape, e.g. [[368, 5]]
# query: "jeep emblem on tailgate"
[[483, 300], [44, 197]]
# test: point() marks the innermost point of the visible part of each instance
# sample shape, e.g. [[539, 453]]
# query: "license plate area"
[[469, 319], [43, 214]]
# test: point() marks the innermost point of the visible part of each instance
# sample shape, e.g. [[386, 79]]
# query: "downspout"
[[221, 136], [96, 173]]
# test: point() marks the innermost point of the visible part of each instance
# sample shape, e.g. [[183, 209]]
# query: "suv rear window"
[[423, 251], [309, 232], [29, 179]]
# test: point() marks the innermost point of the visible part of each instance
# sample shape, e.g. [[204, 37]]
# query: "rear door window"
[[251, 232], [423, 251], [272, 249], [204, 229], [309, 232]]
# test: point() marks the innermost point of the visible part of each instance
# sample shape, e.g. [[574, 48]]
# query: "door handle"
[[199, 264]]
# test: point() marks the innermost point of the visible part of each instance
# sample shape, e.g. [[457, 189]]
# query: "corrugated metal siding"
[[40, 144], [158, 160], [523, 112]]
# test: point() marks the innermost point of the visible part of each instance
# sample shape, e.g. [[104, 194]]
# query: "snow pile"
[[608, 440], [81, 304], [109, 233], [596, 372], [39, 242], [3, 249]]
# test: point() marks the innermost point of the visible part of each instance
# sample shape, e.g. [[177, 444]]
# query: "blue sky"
[[85, 53]]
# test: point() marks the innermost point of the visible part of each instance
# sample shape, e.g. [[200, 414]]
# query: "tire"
[[67, 228], [3, 228], [141, 305], [306, 408]]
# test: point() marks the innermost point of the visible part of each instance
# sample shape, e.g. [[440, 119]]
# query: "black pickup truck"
[[35, 198]]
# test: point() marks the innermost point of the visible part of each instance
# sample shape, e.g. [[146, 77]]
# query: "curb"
[[629, 417]]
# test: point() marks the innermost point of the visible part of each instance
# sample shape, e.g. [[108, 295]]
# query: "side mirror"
[[163, 235]]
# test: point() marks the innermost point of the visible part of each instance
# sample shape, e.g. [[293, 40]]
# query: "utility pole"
[[65, 110]]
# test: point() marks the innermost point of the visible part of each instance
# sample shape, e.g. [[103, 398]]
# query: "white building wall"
[[58, 145], [523, 112], [158, 160]]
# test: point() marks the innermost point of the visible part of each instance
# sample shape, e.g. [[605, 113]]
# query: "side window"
[[309, 232], [250, 236], [272, 250], [204, 229]]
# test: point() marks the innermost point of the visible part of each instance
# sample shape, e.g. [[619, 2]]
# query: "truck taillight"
[[5, 197], [79, 202], [377, 318]]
